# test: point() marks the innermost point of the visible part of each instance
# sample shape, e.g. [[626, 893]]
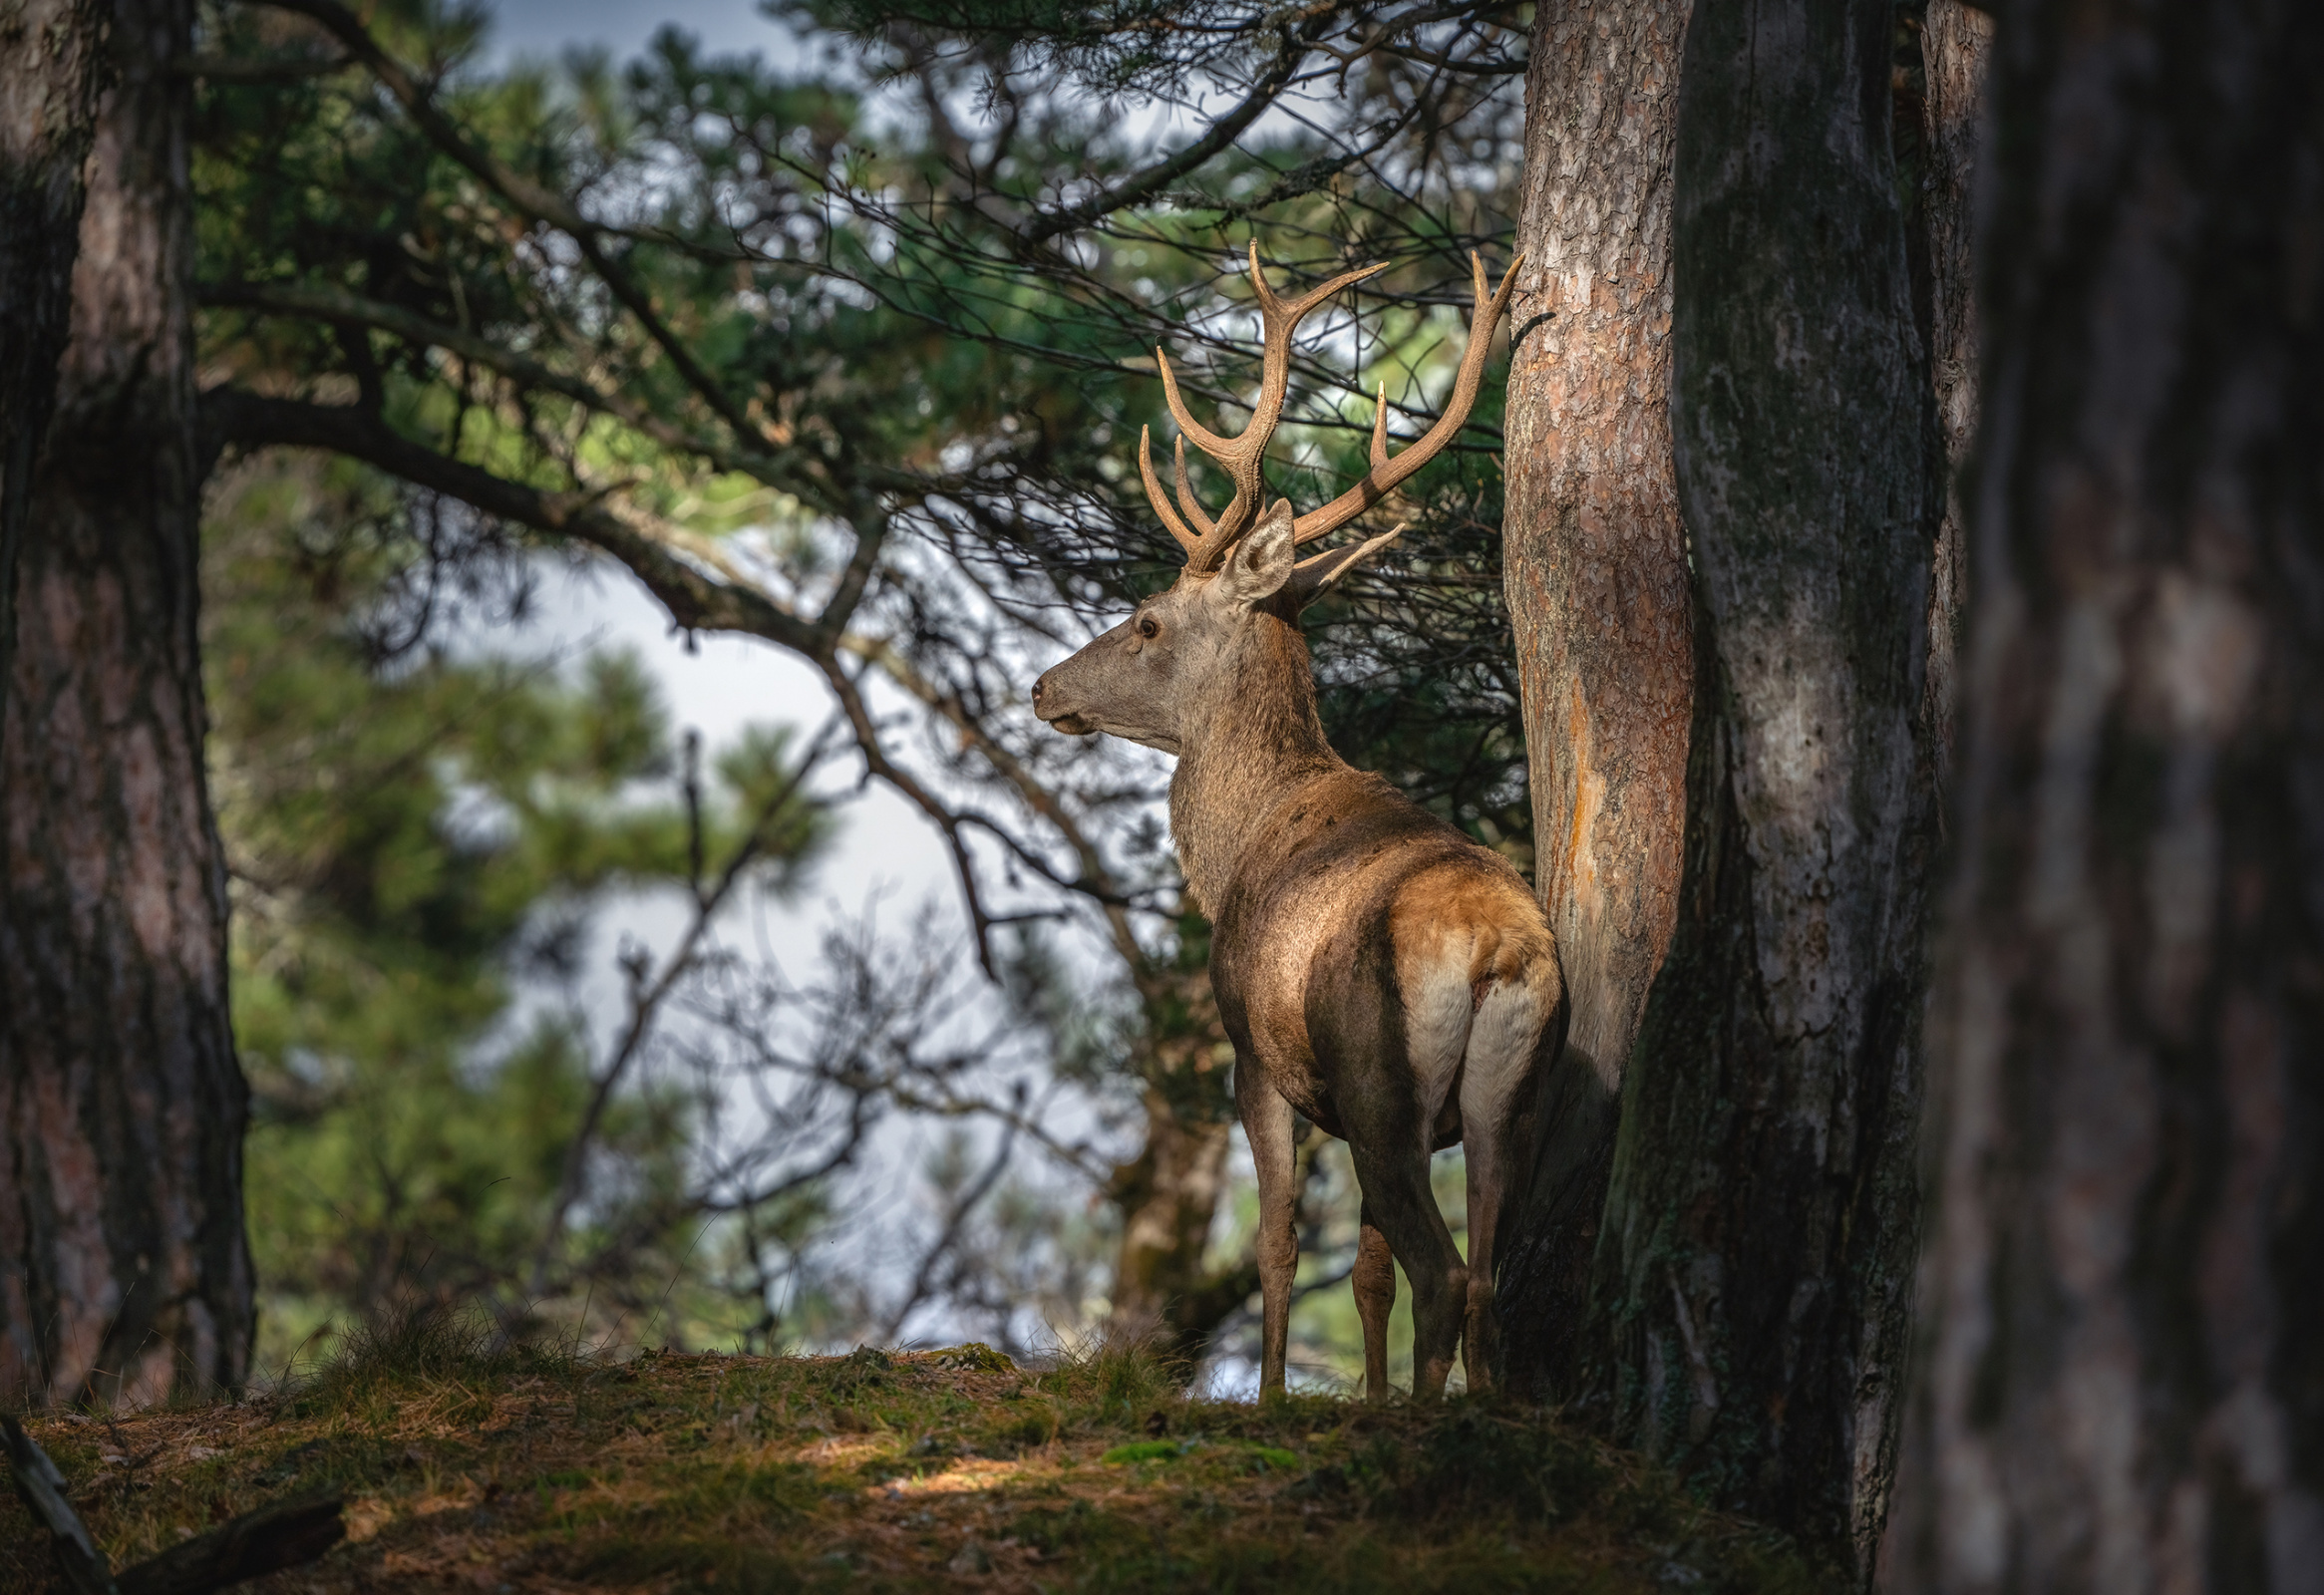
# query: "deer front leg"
[[1267, 1125], [1375, 1283]]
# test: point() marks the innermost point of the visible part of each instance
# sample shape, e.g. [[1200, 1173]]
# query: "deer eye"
[[1148, 627]]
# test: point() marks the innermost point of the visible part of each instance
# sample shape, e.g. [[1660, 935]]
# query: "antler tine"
[[1380, 428], [1186, 500], [1209, 441], [1161, 501], [1387, 474], [1243, 457], [1280, 320]]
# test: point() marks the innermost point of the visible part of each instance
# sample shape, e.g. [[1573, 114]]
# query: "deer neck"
[[1258, 741]]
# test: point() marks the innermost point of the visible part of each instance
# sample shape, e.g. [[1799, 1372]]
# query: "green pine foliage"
[[417, 843]]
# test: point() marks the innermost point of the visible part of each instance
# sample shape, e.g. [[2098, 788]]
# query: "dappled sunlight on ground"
[[529, 1474]]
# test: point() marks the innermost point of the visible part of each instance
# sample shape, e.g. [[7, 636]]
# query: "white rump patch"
[[1437, 1006], [1501, 1038]]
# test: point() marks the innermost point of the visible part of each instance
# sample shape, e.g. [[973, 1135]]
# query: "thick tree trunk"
[[124, 1270], [1597, 595], [1955, 52], [2123, 1291], [51, 67], [1751, 1291], [1168, 1196]]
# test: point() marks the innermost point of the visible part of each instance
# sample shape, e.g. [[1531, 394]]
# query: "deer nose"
[[1038, 686]]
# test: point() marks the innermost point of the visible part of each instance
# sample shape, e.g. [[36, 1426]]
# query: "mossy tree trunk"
[[1597, 595], [1751, 1291], [124, 1269], [2126, 1387], [51, 67]]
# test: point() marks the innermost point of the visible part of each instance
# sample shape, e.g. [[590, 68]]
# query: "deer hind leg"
[[1495, 1080], [1268, 1125], [1375, 1284], [1396, 1194]]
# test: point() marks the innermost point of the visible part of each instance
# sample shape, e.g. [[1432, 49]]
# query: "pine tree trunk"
[[1166, 1197], [1955, 51], [1165, 1292], [126, 1272], [51, 67], [1954, 55], [1750, 1294], [1597, 595], [2123, 1291]]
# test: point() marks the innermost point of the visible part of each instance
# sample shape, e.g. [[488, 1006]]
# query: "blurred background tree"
[[418, 839]]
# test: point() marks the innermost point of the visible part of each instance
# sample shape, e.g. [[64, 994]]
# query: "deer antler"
[[1206, 541], [1386, 474]]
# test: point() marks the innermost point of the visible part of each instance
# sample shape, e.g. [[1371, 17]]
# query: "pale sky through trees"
[[548, 27]]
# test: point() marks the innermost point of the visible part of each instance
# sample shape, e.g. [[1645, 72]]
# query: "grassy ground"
[[534, 1472]]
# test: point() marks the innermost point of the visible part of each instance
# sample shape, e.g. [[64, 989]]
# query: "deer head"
[[1175, 655]]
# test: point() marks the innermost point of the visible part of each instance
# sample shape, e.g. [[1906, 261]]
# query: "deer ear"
[[1259, 565], [1312, 578]]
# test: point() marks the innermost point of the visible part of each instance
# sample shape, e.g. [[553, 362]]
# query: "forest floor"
[[533, 1472]]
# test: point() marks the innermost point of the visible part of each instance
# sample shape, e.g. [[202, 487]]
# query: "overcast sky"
[[549, 27]]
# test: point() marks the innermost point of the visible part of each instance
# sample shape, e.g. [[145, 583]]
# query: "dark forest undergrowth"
[[531, 1471]]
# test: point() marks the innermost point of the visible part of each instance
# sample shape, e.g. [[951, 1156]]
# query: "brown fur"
[[1340, 911], [1376, 970]]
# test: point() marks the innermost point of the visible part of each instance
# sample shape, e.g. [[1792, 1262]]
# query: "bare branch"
[[646, 1005]]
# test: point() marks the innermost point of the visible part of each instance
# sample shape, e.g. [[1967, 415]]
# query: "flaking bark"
[[2127, 1382], [1597, 595], [1751, 1290], [124, 1270]]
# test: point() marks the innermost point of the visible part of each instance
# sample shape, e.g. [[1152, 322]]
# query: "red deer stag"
[[1376, 970]]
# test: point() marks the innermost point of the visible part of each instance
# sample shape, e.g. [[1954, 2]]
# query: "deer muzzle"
[[1050, 707]]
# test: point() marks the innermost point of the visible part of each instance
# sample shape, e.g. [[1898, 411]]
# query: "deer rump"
[[1383, 970]]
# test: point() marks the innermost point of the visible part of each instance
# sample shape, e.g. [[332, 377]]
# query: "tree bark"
[[1956, 50], [1597, 593], [1751, 1292], [1954, 53], [51, 67], [2126, 1379], [1165, 1292], [1168, 1196], [127, 1274]]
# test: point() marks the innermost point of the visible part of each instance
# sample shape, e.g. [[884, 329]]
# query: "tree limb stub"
[[278, 1535], [283, 1534], [42, 1488]]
